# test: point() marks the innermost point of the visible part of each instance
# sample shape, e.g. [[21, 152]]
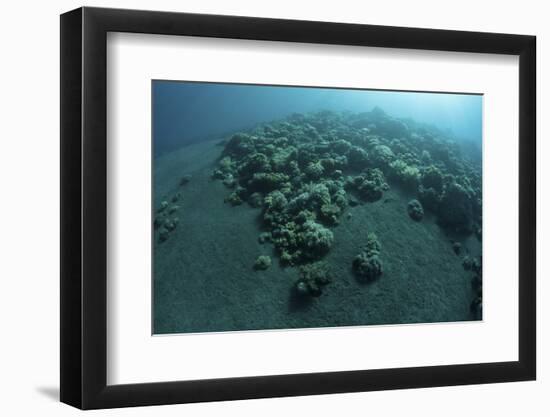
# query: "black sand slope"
[[204, 278]]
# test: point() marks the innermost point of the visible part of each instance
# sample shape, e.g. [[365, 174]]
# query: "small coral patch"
[[262, 263], [415, 210]]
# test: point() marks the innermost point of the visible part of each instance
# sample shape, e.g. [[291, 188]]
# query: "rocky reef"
[[305, 171]]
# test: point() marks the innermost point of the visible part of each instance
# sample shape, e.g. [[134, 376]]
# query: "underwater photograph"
[[283, 207]]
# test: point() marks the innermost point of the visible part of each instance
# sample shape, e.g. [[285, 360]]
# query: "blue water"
[[185, 112]]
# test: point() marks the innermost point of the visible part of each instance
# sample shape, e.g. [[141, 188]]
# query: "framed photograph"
[[257, 208]]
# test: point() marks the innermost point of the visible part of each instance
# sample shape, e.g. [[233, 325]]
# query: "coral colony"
[[304, 172]]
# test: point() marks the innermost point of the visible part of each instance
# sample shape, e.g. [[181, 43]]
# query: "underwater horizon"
[[187, 112], [279, 207]]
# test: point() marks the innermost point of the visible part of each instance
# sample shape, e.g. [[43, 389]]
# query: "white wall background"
[[29, 237]]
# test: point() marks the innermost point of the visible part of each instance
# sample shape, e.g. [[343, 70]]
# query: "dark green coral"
[[367, 265]]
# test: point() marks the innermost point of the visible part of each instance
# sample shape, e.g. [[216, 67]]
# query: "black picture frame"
[[84, 207]]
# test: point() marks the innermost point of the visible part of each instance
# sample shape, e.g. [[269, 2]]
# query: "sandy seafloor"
[[204, 278]]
